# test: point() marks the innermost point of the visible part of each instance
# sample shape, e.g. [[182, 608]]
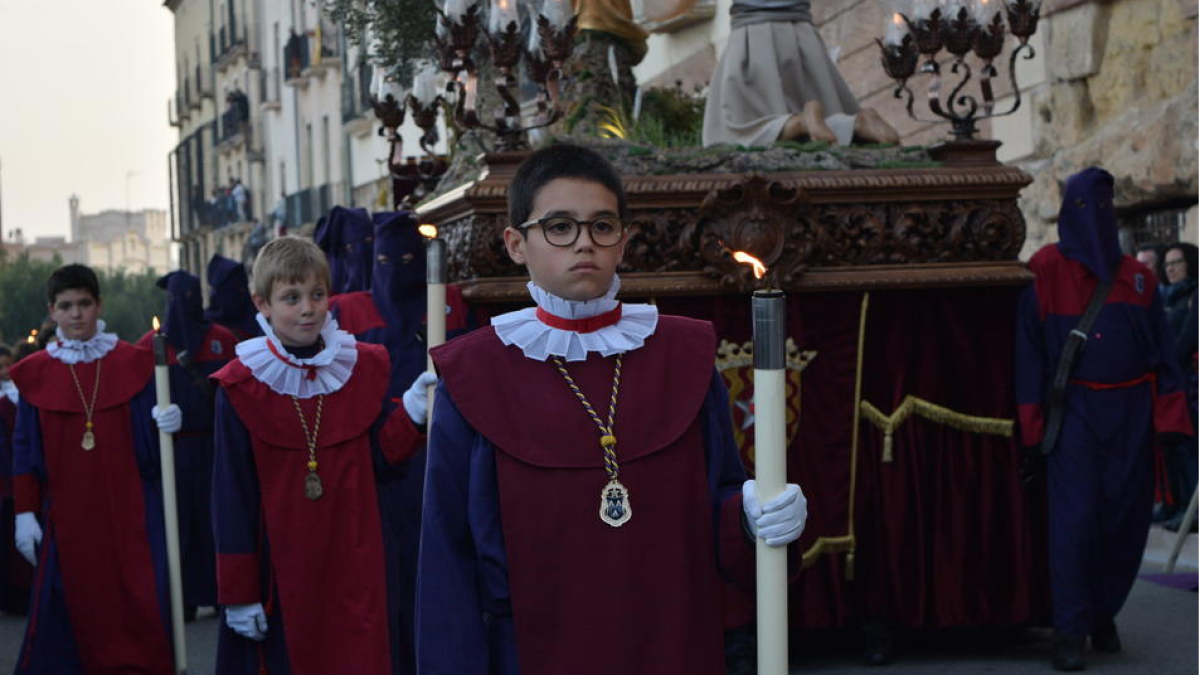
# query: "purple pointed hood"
[[398, 277], [328, 238], [347, 237], [1087, 223], [229, 302], [185, 325]]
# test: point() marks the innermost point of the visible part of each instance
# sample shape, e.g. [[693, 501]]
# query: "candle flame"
[[33, 333], [30, 339], [504, 5], [743, 257], [898, 20], [154, 322], [428, 230]]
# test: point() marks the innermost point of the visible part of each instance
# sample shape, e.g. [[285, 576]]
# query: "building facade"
[[135, 241], [275, 98]]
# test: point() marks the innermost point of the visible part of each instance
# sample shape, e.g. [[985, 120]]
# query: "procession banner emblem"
[[735, 362]]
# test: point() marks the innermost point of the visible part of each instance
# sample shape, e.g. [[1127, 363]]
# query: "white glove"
[[28, 536], [780, 521], [169, 419], [416, 399], [249, 621]]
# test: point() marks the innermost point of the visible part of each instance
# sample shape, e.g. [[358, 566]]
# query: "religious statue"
[[776, 81]]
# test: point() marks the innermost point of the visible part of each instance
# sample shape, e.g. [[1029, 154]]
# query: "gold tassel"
[[911, 405], [850, 566]]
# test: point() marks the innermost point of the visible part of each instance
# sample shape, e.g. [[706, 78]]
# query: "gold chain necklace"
[[89, 438], [312, 482], [615, 509]]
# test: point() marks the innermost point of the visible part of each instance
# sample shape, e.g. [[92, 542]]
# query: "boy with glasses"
[[583, 491]]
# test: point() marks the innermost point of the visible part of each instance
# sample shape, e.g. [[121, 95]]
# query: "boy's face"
[[583, 270], [296, 310], [76, 312]]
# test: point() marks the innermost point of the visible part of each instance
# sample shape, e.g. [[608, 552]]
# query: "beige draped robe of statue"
[[768, 71]]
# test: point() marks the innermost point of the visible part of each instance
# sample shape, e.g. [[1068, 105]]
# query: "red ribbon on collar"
[[588, 325], [312, 370]]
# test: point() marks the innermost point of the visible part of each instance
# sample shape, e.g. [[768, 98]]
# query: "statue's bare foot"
[[814, 119], [870, 127], [808, 124]]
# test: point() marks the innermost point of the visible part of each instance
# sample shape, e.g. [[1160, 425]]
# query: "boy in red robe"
[[88, 496], [300, 431], [583, 491]]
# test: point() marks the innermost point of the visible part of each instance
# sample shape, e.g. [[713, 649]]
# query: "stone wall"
[[1113, 85]]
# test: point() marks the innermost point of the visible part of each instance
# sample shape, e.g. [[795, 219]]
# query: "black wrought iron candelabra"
[[544, 59], [960, 33], [391, 112]]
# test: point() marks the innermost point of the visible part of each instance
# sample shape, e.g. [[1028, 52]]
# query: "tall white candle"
[[166, 454], [435, 298], [770, 474]]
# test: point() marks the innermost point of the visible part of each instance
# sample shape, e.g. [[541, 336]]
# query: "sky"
[[84, 86]]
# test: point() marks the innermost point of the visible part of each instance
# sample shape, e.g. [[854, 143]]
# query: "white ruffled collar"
[[8, 389], [323, 373], [71, 351], [539, 341]]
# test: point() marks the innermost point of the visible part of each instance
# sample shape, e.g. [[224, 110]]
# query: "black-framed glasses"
[[564, 231]]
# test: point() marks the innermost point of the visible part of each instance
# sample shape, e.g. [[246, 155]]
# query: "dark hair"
[[1160, 252], [5, 351], [72, 276], [559, 161], [1189, 255]]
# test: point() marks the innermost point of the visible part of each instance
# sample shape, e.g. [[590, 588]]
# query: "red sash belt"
[[1102, 386]]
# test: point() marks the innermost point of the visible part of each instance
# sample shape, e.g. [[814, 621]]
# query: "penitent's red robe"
[[316, 566], [516, 566], [100, 583]]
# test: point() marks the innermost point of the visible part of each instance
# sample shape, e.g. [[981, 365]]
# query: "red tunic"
[[95, 508], [327, 555], [587, 597]]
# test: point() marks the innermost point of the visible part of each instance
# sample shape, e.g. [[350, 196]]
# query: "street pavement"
[[1158, 627]]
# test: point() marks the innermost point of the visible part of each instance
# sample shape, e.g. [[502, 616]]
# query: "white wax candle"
[[535, 41], [503, 12], [557, 13], [455, 9], [896, 30], [425, 88], [984, 10]]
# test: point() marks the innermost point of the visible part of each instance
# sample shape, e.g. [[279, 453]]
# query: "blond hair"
[[288, 260]]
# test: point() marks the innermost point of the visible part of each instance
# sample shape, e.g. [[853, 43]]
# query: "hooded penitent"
[[185, 325], [229, 302], [347, 237], [1087, 224]]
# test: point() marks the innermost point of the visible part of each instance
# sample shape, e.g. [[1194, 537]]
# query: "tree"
[[130, 300], [23, 295]]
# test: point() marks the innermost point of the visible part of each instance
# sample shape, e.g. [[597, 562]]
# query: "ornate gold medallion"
[[312, 486], [89, 440], [614, 504]]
